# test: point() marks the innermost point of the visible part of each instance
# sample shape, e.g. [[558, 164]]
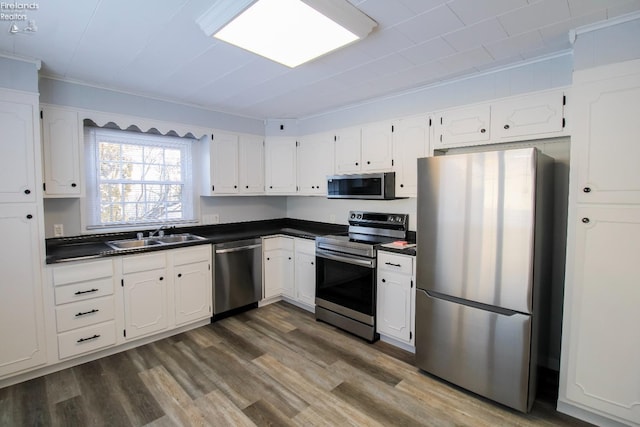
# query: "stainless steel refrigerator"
[[483, 230]]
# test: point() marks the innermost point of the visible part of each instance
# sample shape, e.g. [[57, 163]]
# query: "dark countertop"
[[402, 251], [64, 249]]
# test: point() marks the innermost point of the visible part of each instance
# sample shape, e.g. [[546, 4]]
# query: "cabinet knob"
[[179, 274], [356, 163], [27, 191], [74, 185], [235, 186], [29, 216], [268, 259], [368, 162], [246, 186], [506, 126], [384, 281], [586, 220], [401, 185], [161, 278], [587, 189], [271, 186], [483, 130], [289, 257], [312, 263]]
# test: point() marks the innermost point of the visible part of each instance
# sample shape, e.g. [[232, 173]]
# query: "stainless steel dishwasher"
[[237, 281]]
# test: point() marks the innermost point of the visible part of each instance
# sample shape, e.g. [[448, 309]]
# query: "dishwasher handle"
[[241, 248]]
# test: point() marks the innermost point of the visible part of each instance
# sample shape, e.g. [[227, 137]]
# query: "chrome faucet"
[[159, 230]]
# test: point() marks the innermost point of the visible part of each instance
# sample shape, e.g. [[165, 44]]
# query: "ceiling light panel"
[[290, 32]]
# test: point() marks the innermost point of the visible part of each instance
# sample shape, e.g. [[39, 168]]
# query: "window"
[[137, 178]]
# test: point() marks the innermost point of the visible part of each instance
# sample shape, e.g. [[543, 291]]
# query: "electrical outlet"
[[215, 219], [58, 230], [210, 219]]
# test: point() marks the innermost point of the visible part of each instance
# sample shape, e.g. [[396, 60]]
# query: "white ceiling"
[[155, 48]]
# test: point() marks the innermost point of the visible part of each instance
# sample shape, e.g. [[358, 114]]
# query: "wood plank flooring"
[[273, 365]]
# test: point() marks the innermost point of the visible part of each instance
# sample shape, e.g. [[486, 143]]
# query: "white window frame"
[[91, 206]]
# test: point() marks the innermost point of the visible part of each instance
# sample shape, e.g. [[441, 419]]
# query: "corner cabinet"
[[278, 266], [305, 272], [61, 149], [600, 361], [395, 313]]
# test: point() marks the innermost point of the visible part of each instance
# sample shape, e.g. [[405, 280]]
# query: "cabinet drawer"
[[136, 263], [66, 274], [397, 263], [84, 290], [86, 339], [84, 313], [305, 245], [191, 255], [277, 243]]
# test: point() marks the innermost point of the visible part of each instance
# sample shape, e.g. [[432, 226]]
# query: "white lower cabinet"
[[290, 270], [277, 257], [21, 314], [192, 283], [84, 307], [145, 302], [305, 271], [601, 343], [395, 311]]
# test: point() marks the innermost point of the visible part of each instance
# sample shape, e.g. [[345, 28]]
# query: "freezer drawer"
[[483, 351]]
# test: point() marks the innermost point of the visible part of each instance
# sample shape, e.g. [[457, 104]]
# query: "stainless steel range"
[[346, 271]]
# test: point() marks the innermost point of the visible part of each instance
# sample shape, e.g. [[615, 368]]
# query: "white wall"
[[608, 45], [239, 209]]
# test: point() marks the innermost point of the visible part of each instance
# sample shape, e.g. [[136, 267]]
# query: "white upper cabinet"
[[251, 166], [315, 162], [61, 137], [410, 142], [18, 113], [233, 164], [462, 126], [363, 149], [528, 117], [607, 124], [280, 165], [224, 161], [347, 151], [376, 147]]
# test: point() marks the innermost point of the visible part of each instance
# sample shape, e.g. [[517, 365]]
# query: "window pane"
[[153, 172]]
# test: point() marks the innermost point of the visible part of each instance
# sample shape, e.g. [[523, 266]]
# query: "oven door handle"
[[350, 259]]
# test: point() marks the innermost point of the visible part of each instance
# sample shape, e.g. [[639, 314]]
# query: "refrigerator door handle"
[[474, 304]]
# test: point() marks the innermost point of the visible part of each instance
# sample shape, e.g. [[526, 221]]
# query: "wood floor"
[[274, 365]]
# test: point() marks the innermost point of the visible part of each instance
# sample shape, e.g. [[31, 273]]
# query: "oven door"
[[346, 284]]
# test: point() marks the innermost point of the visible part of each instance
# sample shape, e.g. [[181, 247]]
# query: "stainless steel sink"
[[132, 244], [171, 239], [177, 238]]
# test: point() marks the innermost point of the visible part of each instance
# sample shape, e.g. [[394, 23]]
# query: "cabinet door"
[[280, 165], [410, 142], [192, 287], [347, 151], [278, 273], [224, 163], [251, 164], [601, 313], [464, 126], [606, 139], [17, 145], [145, 302], [21, 315], [315, 163], [305, 272], [531, 116], [61, 152], [376, 147], [394, 305]]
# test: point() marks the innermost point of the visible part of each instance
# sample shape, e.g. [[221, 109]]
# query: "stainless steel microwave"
[[375, 186]]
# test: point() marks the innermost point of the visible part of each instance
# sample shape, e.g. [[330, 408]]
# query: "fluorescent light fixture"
[[290, 32]]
